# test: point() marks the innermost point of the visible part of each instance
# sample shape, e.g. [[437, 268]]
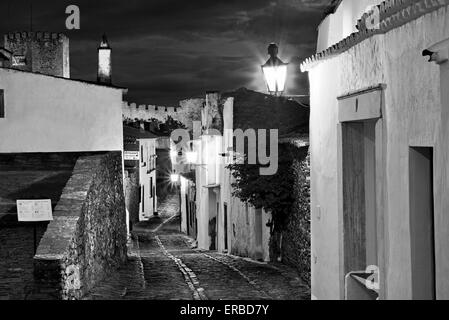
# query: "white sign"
[[132, 155], [18, 61], [34, 210]]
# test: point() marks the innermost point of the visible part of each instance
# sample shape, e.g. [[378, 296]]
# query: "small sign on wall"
[[34, 210], [18, 61], [132, 155]]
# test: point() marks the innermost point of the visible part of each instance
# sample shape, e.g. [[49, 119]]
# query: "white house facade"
[[379, 128], [223, 221]]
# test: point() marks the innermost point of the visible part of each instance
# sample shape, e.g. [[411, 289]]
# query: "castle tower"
[[43, 52], [104, 62], [5, 58]]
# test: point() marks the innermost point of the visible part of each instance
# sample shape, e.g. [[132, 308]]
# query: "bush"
[[287, 196]]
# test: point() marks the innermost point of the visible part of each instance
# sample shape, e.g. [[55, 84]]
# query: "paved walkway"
[[163, 265], [167, 210]]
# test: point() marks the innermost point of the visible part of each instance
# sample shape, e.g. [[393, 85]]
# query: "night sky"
[[168, 50]]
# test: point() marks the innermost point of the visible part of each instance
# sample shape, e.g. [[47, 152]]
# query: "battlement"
[[133, 111], [39, 51], [186, 112], [40, 36], [151, 108]]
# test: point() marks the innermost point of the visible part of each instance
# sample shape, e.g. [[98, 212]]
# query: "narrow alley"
[[163, 265]]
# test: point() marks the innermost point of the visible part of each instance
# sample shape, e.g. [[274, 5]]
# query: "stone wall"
[[295, 245], [212, 112], [87, 238], [189, 110], [131, 185], [45, 52]]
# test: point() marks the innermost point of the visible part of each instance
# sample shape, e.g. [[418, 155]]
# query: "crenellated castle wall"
[[188, 111], [44, 52]]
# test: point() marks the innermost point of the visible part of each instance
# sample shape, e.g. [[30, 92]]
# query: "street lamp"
[[174, 178], [275, 71]]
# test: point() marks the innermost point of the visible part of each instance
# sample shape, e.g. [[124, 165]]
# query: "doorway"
[[359, 195], [225, 227], [188, 213], [213, 219], [422, 228]]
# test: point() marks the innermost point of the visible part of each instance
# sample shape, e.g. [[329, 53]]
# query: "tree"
[[158, 127], [272, 193]]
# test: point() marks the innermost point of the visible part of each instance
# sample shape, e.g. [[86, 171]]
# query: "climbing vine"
[[272, 193], [287, 196]]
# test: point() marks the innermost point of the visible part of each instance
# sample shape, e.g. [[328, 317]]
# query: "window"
[[422, 225], [141, 153], [151, 187], [2, 103]]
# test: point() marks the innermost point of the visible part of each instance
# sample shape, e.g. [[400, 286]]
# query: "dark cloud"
[[167, 50]]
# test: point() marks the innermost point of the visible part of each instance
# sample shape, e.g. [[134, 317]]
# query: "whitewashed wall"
[[145, 175], [241, 216], [413, 116], [241, 232], [49, 114], [341, 24]]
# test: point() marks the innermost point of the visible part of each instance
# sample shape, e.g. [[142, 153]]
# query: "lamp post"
[[275, 71]]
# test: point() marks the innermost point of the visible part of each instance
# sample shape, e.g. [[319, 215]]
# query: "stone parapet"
[[87, 238]]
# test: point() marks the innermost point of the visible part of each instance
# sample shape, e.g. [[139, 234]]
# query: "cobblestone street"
[[163, 265]]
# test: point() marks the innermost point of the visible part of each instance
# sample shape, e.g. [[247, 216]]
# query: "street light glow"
[[275, 71], [191, 156], [174, 178], [275, 77]]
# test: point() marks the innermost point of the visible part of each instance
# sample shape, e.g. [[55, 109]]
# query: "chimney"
[[104, 62], [210, 114]]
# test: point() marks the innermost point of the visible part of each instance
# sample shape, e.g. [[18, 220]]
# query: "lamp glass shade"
[[174, 177], [275, 77]]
